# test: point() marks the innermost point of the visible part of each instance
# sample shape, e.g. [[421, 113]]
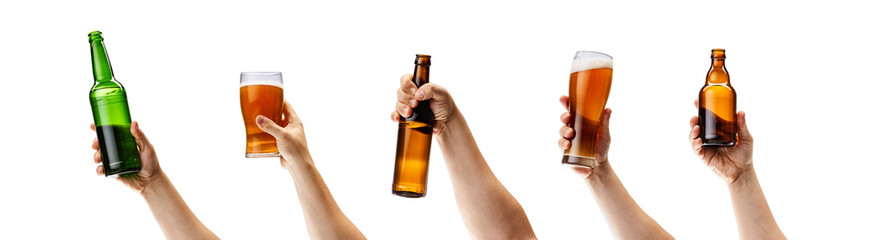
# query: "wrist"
[[600, 172], [302, 163], [744, 178], [453, 124], [156, 184]]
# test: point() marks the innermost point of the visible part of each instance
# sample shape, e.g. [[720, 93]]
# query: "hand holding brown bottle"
[[440, 101], [727, 162], [735, 165]]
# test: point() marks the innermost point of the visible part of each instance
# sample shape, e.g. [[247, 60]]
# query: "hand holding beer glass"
[[589, 86], [261, 93]]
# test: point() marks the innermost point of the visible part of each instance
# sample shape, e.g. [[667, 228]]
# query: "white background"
[[802, 72]]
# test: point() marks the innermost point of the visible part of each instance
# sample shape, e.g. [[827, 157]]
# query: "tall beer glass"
[[588, 91], [261, 93]]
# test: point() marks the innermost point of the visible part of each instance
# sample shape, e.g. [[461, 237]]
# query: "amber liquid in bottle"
[[414, 141], [717, 105]]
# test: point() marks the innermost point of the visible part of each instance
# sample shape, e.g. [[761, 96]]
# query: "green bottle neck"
[[99, 59]]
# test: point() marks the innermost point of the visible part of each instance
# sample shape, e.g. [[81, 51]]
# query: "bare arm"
[[752, 212], [172, 214], [735, 166], [324, 218], [170, 211], [488, 209], [626, 219]]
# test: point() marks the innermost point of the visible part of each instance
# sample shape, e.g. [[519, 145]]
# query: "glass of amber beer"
[[588, 91], [261, 93]]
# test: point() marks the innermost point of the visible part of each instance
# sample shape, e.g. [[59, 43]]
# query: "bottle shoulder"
[[106, 84], [107, 88], [717, 87]]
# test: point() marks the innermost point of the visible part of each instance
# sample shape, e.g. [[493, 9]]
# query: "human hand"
[[149, 172], [440, 102], [290, 138], [727, 162], [566, 133]]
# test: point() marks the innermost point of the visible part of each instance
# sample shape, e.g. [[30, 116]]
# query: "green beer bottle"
[[112, 118]]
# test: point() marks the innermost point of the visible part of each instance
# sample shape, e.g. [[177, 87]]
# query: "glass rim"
[[589, 54], [261, 73], [261, 78], [587, 60]]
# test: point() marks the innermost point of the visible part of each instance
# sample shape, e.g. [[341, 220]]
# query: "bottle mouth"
[[718, 53], [95, 35], [423, 59]]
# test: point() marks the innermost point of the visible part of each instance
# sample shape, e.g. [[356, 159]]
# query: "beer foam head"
[[586, 60], [261, 78]]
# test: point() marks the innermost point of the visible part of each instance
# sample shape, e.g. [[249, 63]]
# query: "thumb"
[[139, 137], [430, 91], [606, 117], [267, 125], [743, 133]]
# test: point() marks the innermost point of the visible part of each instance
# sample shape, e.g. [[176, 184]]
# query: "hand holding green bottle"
[[150, 170]]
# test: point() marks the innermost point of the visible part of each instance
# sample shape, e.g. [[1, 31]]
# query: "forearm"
[[324, 218], [172, 214], [623, 214], [752, 213], [487, 208]]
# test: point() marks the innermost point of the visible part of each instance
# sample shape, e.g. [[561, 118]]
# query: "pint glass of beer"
[[261, 93], [588, 92]]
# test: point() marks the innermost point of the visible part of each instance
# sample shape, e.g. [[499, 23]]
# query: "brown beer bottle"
[[717, 105], [414, 141]]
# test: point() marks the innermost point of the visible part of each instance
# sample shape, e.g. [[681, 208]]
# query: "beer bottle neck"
[[99, 59], [420, 75], [717, 62], [718, 74]]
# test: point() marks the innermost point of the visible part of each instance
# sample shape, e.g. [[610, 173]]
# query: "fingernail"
[[408, 111], [413, 90], [412, 101], [259, 120], [420, 95]]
